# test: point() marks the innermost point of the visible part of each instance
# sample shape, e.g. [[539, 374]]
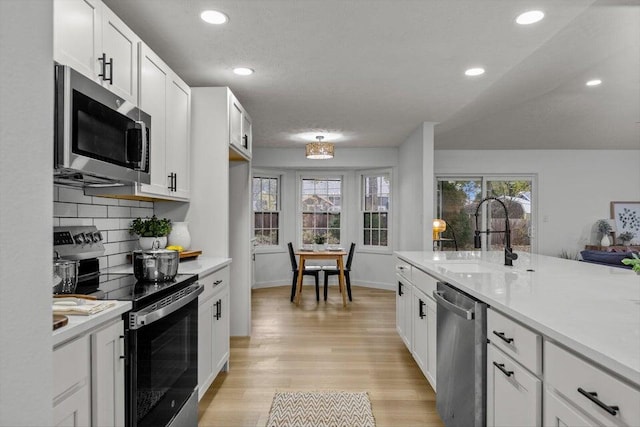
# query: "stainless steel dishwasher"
[[461, 358]]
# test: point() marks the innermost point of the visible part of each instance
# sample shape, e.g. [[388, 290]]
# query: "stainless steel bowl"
[[155, 265]]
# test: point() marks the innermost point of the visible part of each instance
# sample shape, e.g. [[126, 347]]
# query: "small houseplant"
[[626, 237], [633, 262], [319, 240], [605, 228], [150, 231]]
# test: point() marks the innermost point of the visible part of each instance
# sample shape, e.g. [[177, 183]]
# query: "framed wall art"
[[627, 218]]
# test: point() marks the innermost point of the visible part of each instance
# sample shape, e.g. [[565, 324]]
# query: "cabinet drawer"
[[567, 373], [514, 395], [519, 342], [404, 269], [424, 282], [70, 366], [211, 281]]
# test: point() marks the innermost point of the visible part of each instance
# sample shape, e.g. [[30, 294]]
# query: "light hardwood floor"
[[316, 347]]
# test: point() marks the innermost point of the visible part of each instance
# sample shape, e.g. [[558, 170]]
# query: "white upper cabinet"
[[91, 39], [240, 135], [167, 99]]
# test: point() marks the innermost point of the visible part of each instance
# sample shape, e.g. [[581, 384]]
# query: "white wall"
[[273, 267], [26, 208], [575, 188], [416, 192]]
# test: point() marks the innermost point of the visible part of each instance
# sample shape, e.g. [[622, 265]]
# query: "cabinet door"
[[206, 313], [559, 413], [246, 132], [235, 122], [431, 341], [221, 331], [419, 337], [178, 131], [120, 46], [513, 394], [400, 290], [407, 320], [153, 98], [107, 376], [77, 35], [73, 411]]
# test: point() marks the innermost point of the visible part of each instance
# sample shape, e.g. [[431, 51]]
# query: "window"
[[458, 198], [266, 210], [321, 205], [376, 189]]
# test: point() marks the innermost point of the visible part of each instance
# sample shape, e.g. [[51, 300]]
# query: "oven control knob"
[[80, 239], [97, 236], [89, 237]]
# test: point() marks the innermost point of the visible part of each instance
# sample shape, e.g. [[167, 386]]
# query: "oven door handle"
[[146, 317]]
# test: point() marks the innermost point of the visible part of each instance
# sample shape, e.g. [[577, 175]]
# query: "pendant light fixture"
[[319, 150]]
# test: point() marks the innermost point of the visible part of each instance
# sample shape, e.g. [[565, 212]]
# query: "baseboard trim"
[[373, 285]]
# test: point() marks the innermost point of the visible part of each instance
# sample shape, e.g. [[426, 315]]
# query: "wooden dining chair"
[[330, 270], [312, 270]]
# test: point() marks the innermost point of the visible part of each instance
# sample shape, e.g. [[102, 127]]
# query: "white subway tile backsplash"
[[104, 224], [141, 212], [104, 201], [111, 248], [76, 221], [125, 202], [92, 211], [110, 216], [65, 209], [118, 259], [120, 236], [118, 212], [74, 195]]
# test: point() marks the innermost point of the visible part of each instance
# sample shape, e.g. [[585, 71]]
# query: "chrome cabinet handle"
[[593, 396], [502, 369], [502, 337]]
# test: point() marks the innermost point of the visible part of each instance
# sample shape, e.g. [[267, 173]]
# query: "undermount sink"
[[467, 267]]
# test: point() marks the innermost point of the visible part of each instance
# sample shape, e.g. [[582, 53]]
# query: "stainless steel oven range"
[[161, 336]]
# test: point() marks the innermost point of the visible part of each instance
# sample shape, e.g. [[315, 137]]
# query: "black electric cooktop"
[[125, 287]]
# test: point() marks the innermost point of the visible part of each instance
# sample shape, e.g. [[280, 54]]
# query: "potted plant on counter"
[[633, 262], [150, 231]]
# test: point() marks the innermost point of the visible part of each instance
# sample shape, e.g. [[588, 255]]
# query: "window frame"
[[256, 173], [320, 175], [484, 178], [361, 195]]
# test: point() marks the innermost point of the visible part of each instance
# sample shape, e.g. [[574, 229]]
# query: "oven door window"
[[165, 366], [100, 132]]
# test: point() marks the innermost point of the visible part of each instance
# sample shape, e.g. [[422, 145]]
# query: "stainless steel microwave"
[[99, 139]]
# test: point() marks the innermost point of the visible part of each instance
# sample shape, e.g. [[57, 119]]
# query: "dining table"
[[335, 254]]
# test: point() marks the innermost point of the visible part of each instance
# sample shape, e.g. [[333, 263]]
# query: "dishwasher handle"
[[464, 313]]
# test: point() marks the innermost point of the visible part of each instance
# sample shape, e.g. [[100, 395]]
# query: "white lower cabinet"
[[89, 378], [71, 387], [107, 376], [513, 394], [403, 310], [559, 413], [213, 328], [424, 334]]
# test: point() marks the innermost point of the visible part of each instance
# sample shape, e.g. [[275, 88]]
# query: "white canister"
[[179, 235]]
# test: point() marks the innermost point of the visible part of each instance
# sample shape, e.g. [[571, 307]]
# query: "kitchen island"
[[582, 319]]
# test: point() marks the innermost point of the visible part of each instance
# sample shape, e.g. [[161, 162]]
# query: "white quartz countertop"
[[590, 308], [201, 266], [79, 324]]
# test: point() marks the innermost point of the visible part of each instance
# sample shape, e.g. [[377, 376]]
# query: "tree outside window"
[[266, 206], [321, 205]]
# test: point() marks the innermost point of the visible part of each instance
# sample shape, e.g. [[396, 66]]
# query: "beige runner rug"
[[321, 409]]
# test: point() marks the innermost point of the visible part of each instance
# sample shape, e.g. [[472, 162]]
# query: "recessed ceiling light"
[[474, 72], [243, 71], [214, 17], [530, 17], [594, 82]]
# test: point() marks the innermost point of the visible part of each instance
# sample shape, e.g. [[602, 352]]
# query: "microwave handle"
[[145, 145]]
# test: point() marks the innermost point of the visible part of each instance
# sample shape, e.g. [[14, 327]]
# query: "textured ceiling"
[[373, 70]]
